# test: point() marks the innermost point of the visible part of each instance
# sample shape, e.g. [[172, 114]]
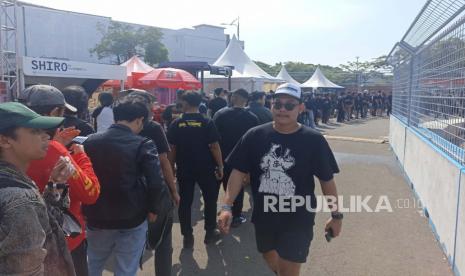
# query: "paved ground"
[[386, 243]]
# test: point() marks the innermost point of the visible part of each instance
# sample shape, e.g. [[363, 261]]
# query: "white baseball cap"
[[289, 89]]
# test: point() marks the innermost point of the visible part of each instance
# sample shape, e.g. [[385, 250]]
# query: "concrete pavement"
[[386, 243]]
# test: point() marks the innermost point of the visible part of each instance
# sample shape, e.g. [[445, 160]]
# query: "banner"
[[42, 67]]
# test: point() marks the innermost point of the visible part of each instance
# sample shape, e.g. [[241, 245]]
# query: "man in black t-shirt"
[[232, 123], [195, 149], [218, 102], [282, 158]]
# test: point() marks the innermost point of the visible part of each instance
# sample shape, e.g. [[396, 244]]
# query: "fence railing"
[[429, 80]]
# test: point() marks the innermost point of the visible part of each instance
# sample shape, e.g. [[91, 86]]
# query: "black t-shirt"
[[326, 104], [192, 134], [283, 165], [349, 100], [85, 128], [232, 123], [310, 104], [216, 104], [154, 131]]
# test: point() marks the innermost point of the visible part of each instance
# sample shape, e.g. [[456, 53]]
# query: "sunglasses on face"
[[288, 106]]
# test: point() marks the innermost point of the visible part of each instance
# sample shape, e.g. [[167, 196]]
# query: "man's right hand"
[[224, 221]]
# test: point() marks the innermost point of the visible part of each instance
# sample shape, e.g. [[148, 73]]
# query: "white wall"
[[45, 32], [436, 180], [60, 34], [397, 138], [203, 43]]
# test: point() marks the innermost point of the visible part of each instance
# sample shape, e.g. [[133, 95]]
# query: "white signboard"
[[42, 67]]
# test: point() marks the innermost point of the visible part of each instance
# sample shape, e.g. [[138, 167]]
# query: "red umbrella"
[[169, 78]]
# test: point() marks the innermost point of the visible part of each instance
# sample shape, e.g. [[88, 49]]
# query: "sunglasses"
[[288, 106]]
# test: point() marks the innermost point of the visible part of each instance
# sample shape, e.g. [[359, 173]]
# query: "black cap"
[[18, 115], [42, 95]]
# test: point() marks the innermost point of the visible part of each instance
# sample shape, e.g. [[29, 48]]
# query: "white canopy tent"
[[318, 80], [246, 74], [284, 75]]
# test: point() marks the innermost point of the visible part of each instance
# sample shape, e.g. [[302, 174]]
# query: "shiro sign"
[[42, 67]]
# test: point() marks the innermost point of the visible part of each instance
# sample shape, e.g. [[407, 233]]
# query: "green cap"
[[14, 114]]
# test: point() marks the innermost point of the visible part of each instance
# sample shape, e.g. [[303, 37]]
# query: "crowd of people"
[[345, 106], [77, 187]]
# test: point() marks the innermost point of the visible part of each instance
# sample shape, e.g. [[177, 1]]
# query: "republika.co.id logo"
[[345, 204]]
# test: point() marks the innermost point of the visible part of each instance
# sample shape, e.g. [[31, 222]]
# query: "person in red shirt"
[[84, 187]]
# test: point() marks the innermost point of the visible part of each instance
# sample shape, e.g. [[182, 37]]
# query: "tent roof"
[[135, 64], [284, 75], [244, 67], [318, 80]]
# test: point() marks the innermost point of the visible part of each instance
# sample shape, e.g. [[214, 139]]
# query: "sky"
[[327, 32]]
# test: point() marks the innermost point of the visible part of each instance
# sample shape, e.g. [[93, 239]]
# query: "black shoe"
[[188, 242], [212, 236], [237, 221]]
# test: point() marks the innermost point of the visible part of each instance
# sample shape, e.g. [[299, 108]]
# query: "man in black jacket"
[[132, 188]]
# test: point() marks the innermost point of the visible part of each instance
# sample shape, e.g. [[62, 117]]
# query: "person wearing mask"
[[195, 149], [103, 115], [232, 123], [257, 107], [84, 187], [32, 242]]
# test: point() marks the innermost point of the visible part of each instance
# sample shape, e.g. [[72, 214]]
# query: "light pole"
[[235, 22]]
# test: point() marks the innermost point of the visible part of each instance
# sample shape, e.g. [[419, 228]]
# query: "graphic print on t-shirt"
[[275, 180]]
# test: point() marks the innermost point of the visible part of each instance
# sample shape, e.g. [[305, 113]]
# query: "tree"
[[122, 41], [344, 75], [155, 51]]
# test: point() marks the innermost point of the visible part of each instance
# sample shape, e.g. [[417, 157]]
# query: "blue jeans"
[[311, 118], [126, 245]]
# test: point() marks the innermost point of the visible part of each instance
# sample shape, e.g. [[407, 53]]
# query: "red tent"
[[135, 69], [169, 78]]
